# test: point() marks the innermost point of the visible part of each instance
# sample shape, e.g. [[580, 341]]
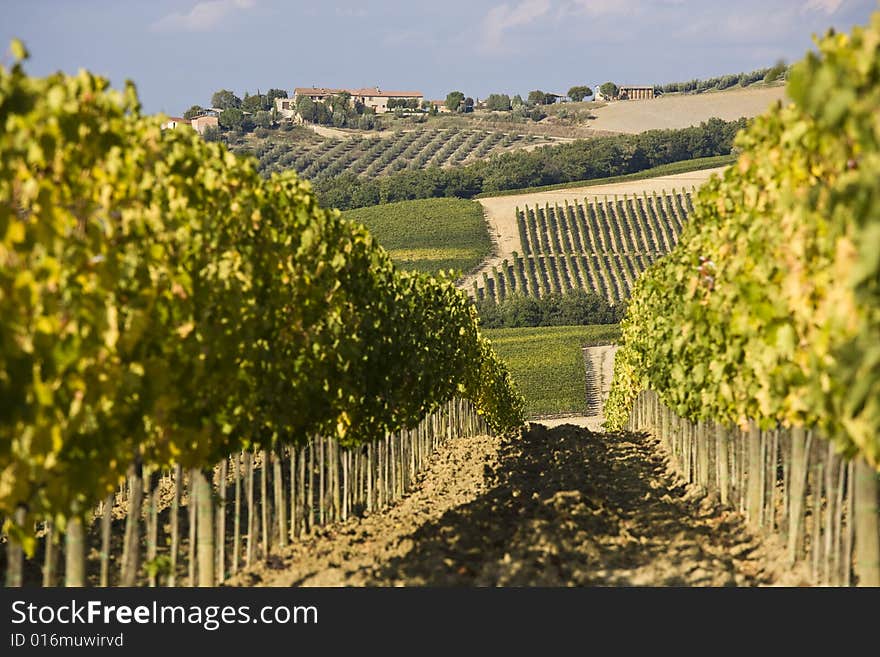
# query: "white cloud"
[[603, 7], [616, 7], [204, 16], [505, 17], [828, 6]]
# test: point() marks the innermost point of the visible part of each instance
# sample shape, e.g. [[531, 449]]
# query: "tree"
[[578, 93], [194, 111], [253, 103], [211, 133], [516, 102], [322, 114], [272, 94], [468, 104], [231, 119], [498, 102], [775, 72], [403, 103], [340, 104], [263, 119], [225, 99], [454, 100], [306, 108], [537, 97], [521, 311], [609, 90]]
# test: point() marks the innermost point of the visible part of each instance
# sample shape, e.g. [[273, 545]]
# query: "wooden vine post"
[[74, 550], [15, 553], [867, 531], [754, 473], [132, 540], [201, 484]]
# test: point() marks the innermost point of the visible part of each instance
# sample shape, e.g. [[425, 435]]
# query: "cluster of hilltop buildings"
[[379, 100], [210, 119]]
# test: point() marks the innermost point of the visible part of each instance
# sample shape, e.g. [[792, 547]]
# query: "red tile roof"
[[316, 91], [375, 92]]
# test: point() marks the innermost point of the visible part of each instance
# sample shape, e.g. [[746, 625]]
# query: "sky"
[[178, 52]]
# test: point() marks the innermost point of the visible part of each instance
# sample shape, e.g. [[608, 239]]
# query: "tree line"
[[572, 308], [721, 82], [579, 160]]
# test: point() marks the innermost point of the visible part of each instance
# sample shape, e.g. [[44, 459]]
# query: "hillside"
[[683, 110], [501, 212], [372, 154], [429, 234]]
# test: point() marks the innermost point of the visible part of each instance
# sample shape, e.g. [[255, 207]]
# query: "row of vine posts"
[[786, 481], [201, 527]]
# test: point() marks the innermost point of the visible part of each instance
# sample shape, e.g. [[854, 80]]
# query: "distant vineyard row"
[[599, 245], [377, 156]]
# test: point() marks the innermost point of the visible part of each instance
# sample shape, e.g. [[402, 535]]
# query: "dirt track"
[[553, 507]]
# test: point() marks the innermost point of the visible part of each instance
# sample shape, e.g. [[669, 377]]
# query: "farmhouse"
[[286, 107], [202, 123], [372, 97], [635, 93], [317, 93], [440, 106], [378, 100], [175, 121]]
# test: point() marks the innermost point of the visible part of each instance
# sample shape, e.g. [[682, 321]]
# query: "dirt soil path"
[[552, 507]]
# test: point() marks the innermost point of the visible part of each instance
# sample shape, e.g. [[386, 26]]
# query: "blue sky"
[[179, 51]]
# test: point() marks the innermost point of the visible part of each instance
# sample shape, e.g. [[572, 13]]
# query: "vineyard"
[[383, 155], [600, 245], [169, 314], [764, 320], [429, 235], [209, 377]]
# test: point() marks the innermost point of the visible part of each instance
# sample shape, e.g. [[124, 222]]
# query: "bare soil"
[[684, 110], [547, 507]]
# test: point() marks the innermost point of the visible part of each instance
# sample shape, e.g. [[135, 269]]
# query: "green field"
[[547, 364], [430, 234]]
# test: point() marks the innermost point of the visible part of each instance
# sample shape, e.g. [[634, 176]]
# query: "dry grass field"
[[683, 110]]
